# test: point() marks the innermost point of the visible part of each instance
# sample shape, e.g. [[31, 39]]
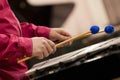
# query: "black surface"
[[103, 69]]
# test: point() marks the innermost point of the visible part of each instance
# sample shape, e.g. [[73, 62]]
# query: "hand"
[[42, 47], [59, 35]]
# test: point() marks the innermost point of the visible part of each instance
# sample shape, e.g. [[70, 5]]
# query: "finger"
[[40, 55], [61, 37], [70, 43], [52, 44], [46, 53], [64, 33], [49, 48]]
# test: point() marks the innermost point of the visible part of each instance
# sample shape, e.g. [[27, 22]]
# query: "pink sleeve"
[[31, 30], [13, 47]]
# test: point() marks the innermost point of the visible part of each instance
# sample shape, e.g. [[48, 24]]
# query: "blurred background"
[[75, 16]]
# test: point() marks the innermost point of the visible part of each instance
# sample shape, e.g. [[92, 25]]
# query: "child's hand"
[[59, 35], [42, 47]]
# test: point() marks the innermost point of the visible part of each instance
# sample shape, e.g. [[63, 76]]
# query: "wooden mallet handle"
[[62, 43], [93, 30]]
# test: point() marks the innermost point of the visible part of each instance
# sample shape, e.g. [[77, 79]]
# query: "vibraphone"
[[75, 58]]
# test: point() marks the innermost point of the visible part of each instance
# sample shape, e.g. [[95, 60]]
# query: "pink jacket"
[[15, 43]]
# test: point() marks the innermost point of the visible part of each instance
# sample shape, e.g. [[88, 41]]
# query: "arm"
[[13, 47], [31, 30]]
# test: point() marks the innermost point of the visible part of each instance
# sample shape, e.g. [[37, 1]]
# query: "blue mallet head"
[[94, 29], [109, 29]]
